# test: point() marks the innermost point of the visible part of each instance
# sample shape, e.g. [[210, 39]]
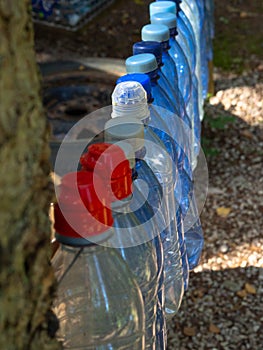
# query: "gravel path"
[[223, 308]]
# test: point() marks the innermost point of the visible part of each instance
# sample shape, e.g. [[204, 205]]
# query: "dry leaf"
[[214, 329], [223, 212], [247, 134], [250, 288], [243, 14], [242, 293], [189, 331]]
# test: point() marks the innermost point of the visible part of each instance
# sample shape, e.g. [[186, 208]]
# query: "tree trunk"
[[26, 277]]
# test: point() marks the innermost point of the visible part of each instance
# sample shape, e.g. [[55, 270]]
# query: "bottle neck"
[[121, 207], [82, 242], [150, 99], [154, 76], [173, 32], [165, 46], [178, 8], [140, 153]]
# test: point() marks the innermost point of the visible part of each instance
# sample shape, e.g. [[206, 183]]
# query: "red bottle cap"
[[109, 161], [80, 212]]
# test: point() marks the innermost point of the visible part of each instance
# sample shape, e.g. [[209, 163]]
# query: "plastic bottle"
[[129, 128], [94, 311], [192, 12], [186, 39], [147, 63], [159, 50], [158, 120], [142, 257], [169, 20], [194, 236]]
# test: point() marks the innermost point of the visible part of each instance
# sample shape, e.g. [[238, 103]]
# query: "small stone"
[[232, 286], [224, 248]]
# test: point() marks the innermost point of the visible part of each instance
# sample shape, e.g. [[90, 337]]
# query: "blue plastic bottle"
[[124, 128], [191, 10], [160, 51], [147, 63], [186, 39], [169, 20]]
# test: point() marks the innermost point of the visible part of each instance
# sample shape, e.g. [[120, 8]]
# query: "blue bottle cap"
[[141, 63], [152, 47], [162, 6], [155, 32], [164, 18], [141, 78]]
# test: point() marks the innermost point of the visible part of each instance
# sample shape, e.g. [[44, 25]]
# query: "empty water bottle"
[[152, 33], [158, 120], [147, 63], [99, 304], [186, 39], [124, 128], [132, 240], [169, 20]]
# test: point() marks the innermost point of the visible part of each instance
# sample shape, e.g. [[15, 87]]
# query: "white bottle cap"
[[129, 99]]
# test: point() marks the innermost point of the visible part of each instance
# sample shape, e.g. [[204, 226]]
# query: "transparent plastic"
[[142, 260], [95, 311]]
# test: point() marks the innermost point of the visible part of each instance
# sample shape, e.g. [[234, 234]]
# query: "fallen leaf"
[[250, 288], [189, 331], [214, 329], [247, 134], [243, 14], [223, 212], [242, 293]]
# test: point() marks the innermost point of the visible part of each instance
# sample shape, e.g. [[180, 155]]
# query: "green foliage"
[[207, 147], [220, 121]]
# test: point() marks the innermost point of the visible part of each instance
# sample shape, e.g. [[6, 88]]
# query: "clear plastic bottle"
[[131, 129], [130, 234], [94, 311], [157, 121]]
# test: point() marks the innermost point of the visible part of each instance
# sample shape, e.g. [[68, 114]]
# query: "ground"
[[223, 307]]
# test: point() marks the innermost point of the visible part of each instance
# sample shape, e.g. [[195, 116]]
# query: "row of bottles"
[[124, 254]]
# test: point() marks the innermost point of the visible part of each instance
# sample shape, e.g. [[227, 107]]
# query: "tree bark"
[[26, 277]]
